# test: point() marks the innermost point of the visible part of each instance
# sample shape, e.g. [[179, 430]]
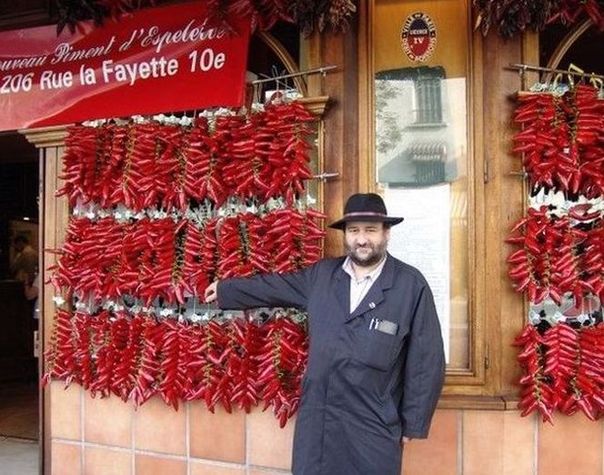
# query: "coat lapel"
[[375, 296], [342, 289]]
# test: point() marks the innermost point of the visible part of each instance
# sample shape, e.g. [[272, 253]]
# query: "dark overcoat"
[[364, 388]]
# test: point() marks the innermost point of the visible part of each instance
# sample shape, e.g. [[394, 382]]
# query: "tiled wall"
[[108, 437]]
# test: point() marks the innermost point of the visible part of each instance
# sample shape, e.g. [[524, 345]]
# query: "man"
[[376, 363], [25, 260]]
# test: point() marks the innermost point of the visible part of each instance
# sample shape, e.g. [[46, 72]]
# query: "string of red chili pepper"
[[279, 366], [589, 380], [199, 259], [227, 132], [589, 124], [556, 256], [149, 258], [296, 236], [560, 140], [215, 385], [564, 370], [536, 394], [162, 263], [148, 365], [241, 366], [174, 355], [60, 358], [513, 17], [124, 375], [141, 165], [289, 151], [79, 164], [561, 353], [107, 340], [83, 331], [240, 246], [197, 155], [237, 362], [569, 11]]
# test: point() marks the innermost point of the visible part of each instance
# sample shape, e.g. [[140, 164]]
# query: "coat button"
[[371, 305]]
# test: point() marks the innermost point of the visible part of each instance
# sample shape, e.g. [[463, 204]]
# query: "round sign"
[[418, 37]]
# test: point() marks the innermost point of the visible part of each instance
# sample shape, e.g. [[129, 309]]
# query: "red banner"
[[156, 60]]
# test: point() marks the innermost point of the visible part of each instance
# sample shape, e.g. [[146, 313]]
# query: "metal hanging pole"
[[529, 67], [308, 72]]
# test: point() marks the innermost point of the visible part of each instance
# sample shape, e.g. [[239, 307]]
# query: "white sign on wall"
[[423, 240]]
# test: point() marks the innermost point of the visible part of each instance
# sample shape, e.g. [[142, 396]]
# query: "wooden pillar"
[[54, 214]]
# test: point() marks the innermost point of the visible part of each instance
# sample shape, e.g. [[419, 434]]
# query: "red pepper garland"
[[264, 14], [560, 256], [122, 253], [562, 140], [511, 17], [262, 156]]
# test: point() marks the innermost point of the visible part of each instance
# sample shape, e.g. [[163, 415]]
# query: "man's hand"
[[210, 294], [405, 440]]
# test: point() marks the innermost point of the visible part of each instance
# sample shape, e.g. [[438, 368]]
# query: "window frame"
[[471, 381]]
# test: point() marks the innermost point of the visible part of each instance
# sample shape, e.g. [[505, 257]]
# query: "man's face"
[[366, 242]]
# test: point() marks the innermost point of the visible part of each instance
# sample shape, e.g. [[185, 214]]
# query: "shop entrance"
[[19, 266]]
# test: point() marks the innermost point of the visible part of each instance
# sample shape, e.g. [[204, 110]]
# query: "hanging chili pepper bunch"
[[240, 246], [169, 259], [72, 12], [269, 155], [558, 263], [309, 14], [140, 165], [234, 362], [570, 12], [107, 260], [281, 365], [511, 17], [563, 370], [561, 140], [289, 152], [556, 257], [296, 238], [160, 211]]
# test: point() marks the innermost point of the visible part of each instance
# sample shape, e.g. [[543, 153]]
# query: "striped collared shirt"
[[360, 287]]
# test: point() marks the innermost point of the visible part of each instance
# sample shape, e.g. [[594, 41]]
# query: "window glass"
[[420, 66]]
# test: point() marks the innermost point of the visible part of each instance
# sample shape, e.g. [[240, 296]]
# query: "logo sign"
[[155, 60], [418, 37]]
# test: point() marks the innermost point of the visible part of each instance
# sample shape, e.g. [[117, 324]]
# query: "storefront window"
[[420, 92]]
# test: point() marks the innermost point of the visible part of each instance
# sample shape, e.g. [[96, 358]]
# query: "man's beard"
[[376, 255]]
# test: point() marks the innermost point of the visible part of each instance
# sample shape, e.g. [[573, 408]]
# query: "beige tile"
[[436, 455], [149, 465], [518, 444], [108, 421], [218, 436], [573, 445], [100, 461], [268, 445], [65, 411], [200, 468], [66, 459], [482, 442], [159, 428]]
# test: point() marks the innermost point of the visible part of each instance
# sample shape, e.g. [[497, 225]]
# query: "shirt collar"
[[373, 275]]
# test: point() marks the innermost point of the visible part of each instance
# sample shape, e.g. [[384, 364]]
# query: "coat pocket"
[[379, 349]]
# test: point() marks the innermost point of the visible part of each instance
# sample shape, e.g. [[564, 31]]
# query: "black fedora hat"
[[365, 207]]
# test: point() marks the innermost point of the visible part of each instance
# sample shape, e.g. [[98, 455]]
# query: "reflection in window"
[[421, 152], [419, 135]]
